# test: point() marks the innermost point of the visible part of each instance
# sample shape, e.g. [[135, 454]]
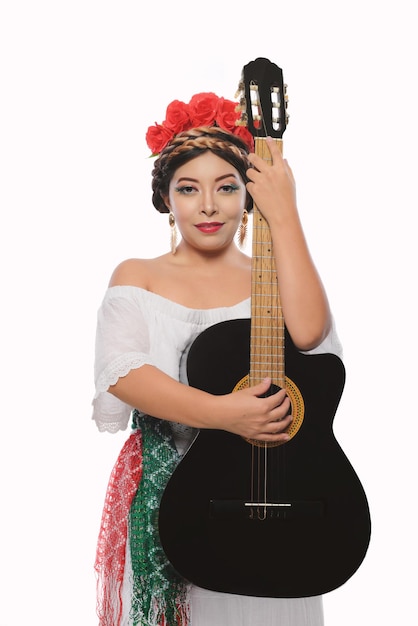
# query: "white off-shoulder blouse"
[[137, 327]]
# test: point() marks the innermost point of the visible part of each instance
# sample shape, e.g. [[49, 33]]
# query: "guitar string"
[[264, 450]]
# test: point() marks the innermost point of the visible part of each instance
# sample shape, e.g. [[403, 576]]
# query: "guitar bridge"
[[271, 510]]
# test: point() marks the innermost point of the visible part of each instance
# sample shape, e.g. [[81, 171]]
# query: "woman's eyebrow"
[[195, 180]]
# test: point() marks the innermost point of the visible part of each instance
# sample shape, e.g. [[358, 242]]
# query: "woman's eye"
[[229, 188], [186, 189]]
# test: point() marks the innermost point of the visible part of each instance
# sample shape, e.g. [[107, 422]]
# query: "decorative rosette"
[[204, 109]]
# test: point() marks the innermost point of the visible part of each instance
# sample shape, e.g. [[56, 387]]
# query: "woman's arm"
[[242, 412], [304, 301]]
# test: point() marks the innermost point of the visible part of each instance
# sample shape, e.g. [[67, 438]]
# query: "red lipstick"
[[209, 227]]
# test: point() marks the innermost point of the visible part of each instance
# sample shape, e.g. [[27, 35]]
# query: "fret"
[[277, 354], [269, 340], [276, 365], [272, 334], [268, 351], [260, 273], [263, 332], [276, 372], [265, 321], [263, 261]]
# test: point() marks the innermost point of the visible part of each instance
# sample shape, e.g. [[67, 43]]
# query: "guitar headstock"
[[263, 99]]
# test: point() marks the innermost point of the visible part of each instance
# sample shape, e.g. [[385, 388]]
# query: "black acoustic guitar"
[[247, 517]]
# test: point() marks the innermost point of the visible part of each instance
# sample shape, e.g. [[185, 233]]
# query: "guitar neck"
[[267, 322]]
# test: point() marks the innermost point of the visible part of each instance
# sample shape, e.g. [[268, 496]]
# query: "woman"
[[206, 178]]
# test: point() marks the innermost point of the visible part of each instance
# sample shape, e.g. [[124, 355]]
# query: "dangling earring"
[[242, 232], [172, 222]]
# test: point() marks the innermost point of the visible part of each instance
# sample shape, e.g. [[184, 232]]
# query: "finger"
[[257, 162], [281, 423], [261, 388], [275, 151], [280, 396], [279, 430], [280, 418], [254, 171], [280, 437], [277, 399]]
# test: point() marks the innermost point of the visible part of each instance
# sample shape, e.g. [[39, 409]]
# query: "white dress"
[[137, 327]]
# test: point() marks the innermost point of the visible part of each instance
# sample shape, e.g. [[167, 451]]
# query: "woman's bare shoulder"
[[135, 272]]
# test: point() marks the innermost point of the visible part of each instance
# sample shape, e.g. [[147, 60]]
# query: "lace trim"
[[120, 367], [112, 427]]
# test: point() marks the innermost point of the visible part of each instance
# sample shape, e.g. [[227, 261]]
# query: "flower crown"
[[204, 109]]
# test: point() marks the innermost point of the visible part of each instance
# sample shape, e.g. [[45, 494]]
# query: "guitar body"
[[315, 531]]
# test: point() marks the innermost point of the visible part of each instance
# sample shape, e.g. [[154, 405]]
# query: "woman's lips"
[[209, 227]]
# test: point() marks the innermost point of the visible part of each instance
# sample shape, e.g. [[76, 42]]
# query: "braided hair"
[[190, 144]]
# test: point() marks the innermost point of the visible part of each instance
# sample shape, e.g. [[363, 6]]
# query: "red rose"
[[227, 114], [245, 135], [157, 137], [203, 108], [177, 117]]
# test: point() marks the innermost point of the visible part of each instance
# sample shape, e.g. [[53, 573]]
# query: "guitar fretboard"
[[267, 322]]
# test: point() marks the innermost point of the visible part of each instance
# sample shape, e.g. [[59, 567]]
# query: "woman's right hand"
[[252, 415]]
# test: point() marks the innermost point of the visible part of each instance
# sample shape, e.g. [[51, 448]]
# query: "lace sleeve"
[[122, 344]]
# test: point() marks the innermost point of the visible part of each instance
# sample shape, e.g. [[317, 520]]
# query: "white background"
[[80, 83]]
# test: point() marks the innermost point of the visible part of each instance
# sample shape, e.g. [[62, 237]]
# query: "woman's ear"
[[166, 202]]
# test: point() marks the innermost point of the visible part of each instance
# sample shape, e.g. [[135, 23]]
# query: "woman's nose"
[[208, 205]]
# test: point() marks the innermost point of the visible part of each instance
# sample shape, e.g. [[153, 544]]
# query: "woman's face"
[[207, 197]]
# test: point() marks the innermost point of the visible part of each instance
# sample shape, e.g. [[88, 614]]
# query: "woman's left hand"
[[272, 185]]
